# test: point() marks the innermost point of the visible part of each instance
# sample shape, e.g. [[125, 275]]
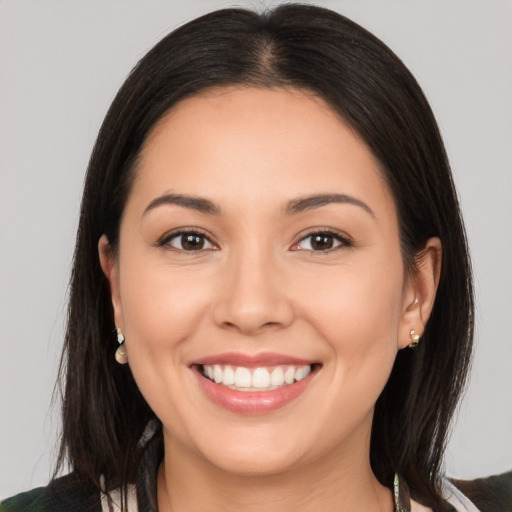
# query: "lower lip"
[[252, 402]]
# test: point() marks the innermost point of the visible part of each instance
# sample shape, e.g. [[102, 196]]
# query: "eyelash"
[[343, 241], [166, 239]]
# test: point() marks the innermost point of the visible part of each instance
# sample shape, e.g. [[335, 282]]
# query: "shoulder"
[[491, 494], [61, 495]]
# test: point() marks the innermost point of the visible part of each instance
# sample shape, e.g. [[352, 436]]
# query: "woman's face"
[[259, 281]]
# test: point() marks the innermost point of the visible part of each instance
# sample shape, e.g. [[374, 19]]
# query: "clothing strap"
[[401, 495], [455, 497]]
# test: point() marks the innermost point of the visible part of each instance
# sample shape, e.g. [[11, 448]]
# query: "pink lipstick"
[[253, 384]]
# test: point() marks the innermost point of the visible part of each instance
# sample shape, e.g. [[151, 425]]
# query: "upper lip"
[[252, 360]]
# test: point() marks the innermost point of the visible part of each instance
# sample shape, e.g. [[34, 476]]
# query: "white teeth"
[[229, 376], [242, 378], [302, 372], [217, 374], [277, 377], [289, 375], [260, 378], [255, 379]]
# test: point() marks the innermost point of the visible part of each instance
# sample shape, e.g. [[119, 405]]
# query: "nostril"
[[230, 326]]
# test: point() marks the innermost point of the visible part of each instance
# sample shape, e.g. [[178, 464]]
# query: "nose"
[[252, 298]]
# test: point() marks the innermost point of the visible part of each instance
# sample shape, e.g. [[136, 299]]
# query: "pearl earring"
[[415, 339], [121, 355]]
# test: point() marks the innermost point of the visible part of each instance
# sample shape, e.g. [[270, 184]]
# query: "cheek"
[[161, 306], [366, 303], [162, 309], [358, 312]]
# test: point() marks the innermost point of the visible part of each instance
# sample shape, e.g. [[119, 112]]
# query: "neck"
[[338, 482]]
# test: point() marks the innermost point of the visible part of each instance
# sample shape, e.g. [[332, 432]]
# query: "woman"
[[269, 231]]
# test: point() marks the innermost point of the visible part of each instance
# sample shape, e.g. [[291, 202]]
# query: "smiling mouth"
[[240, 378]]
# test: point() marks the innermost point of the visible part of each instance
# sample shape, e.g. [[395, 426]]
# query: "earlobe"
[[111, 271], [421, 292]]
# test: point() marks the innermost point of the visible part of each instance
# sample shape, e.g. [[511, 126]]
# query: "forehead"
[[255, 144]]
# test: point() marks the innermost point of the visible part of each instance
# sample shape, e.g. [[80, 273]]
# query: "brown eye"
[[321, 242], [188, 242], [192, 242]]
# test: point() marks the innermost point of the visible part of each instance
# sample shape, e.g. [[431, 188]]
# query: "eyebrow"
[[195, 203], [293, 207], [316, 201]]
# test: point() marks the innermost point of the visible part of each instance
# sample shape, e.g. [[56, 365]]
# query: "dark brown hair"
[[292, 46]]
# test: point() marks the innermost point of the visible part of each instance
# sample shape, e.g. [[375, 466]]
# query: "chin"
[[260, 464], [260, 457]]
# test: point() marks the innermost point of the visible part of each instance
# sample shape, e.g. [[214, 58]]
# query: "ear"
[[420, 291], [110, 268]]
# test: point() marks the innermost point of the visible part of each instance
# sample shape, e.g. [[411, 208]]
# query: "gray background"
[[61, 63]]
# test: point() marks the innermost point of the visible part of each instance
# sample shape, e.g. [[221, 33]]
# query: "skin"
[[259, 286]]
